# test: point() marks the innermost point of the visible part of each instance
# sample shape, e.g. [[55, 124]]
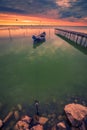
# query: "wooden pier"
[[77, 37]]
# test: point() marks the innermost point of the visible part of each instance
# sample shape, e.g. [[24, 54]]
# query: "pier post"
[[77, 37]]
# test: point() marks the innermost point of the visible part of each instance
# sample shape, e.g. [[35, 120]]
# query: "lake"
[[53, 71]]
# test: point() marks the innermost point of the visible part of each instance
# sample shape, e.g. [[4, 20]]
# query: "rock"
[[37, 127], [77, 111], [8, 116], [61, 126], [1, 123], [75, 114], [16, 115], [19, 106], [26, 119], [43, 120], [23, 123]]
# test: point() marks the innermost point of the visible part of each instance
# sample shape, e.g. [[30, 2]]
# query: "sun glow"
[[15, 19]]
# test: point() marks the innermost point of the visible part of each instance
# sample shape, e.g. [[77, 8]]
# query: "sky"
[[43, 12]]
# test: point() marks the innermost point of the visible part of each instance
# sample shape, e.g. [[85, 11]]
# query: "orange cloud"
[[65, 3], [15, 19]]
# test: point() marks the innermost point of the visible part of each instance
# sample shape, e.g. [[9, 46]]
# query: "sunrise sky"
[[43, 12]]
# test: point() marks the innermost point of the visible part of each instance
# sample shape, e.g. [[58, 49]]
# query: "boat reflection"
[[37, 43]]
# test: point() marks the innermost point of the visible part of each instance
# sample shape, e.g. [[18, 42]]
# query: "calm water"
[[53, 71]]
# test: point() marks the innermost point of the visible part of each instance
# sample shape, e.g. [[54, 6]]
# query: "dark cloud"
[[77, 9], [30, 6], [46, 8], [8, 9]]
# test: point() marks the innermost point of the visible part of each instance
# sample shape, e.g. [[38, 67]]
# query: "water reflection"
[[17, 40], [12, 33], [43, 73], [38, 43], [80, 48], [10, 36]]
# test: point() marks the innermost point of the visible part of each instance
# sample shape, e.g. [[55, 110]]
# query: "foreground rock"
[[23, 124], [37, 127], [28, 123], [76, 114], [43, 120], [61, 126]]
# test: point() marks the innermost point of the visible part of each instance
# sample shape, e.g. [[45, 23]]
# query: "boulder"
[[61, 126], [37, 127], [26, 119], [43, 120], [23, 123], [75, 114]]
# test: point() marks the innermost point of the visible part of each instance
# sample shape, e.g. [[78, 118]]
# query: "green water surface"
[[53, 70]]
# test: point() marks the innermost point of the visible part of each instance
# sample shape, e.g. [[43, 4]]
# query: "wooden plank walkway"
[[77, 37]]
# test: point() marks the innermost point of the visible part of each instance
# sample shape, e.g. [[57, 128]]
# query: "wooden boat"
[[39, 38]]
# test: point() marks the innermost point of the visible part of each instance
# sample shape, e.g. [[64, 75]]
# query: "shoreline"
[[49, 110]]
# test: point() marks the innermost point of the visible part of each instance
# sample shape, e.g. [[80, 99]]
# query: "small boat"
[[39, 38]]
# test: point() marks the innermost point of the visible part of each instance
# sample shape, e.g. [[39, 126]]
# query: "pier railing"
[[76, 37]]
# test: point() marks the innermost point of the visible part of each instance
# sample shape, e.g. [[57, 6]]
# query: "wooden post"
[[77, 37]]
